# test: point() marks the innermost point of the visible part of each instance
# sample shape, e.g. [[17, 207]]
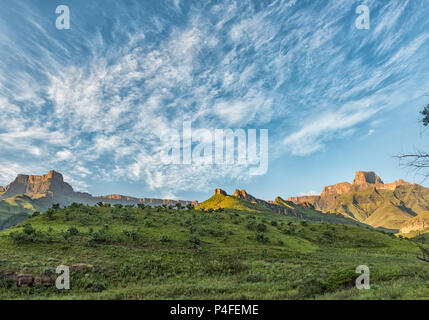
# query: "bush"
[[73, 231], [194, 240], [310, 287], [260, 237], [29, 235], [261, 227], [344, 277], [35, 214]]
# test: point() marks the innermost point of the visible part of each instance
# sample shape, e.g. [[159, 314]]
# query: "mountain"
[[29, 193], [243, 201], [370, 201]]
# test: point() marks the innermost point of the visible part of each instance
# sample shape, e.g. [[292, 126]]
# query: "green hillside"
[[315, 215], [220, 201], [157, 253], [16, 209]]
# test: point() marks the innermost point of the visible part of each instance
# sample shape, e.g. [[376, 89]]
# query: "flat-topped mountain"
[[368, 199], [51, 183]]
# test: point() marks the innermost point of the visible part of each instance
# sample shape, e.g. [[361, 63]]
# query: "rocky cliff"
[[368, 199], [364, 180], [31, 185]]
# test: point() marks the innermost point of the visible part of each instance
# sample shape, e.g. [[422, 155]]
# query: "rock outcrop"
[[366, 177], [242, 194], [416, 224], [220, 191]]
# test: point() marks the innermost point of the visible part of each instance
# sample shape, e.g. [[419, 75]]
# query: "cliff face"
[[368, 199], [364, 180], [51, 183], [304, 199]]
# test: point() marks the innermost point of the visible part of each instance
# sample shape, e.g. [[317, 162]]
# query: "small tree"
[[418, 160]]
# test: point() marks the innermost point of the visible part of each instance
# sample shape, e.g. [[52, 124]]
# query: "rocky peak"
[[242, 194], [220, 191], [366, 177]]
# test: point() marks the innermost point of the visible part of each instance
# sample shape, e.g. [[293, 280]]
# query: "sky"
[[96, 101]]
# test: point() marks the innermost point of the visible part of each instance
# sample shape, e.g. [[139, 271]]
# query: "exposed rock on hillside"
[[416, 224]]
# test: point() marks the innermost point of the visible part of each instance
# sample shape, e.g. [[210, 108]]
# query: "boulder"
[[44, 281], [25, 280]]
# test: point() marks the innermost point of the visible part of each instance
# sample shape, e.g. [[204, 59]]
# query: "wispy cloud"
[[95, 100]]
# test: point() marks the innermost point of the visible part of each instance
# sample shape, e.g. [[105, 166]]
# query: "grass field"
[[160, 253]]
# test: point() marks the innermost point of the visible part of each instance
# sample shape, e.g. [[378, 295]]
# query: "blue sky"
[[92, 101]]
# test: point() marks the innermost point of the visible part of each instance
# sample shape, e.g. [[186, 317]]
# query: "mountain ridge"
[[369, 200]]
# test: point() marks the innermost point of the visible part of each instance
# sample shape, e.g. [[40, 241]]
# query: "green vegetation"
[[160, 253], [16, 209], [220, 201]]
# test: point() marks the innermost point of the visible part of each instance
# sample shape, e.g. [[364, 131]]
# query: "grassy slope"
[[16, 209], [146, 254], [315, 215], [224, 201]]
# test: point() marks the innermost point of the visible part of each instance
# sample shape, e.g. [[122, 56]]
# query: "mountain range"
[[30, 193], [399, 206]]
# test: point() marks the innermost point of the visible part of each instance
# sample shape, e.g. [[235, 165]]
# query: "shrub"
[[73, 231], [261, 227], [194, 240], [344, 277], [260, 237], [35, 214]]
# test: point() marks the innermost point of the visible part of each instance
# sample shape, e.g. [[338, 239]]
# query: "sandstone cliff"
[[52, 182]]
